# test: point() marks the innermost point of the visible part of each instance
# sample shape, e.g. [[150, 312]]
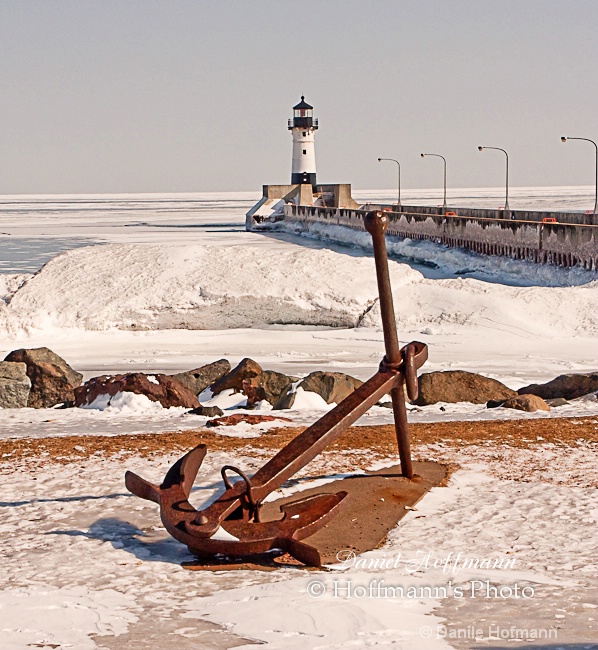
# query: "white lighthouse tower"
[[303, 126], [279, 201]]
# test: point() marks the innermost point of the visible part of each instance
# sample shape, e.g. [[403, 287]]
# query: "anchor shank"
[[308, 444], [376, 224]]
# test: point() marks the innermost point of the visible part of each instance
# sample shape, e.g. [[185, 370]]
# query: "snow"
[[227, 399], [193, 287], [548, 529], [44, 616], [437, 261], [164, 283], [125, 403], [306, 400]]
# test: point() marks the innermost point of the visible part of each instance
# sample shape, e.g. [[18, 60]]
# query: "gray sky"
[[194, 95]]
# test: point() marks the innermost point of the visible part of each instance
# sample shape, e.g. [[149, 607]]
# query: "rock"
[[53, 381], [590, 397], [268, 385], [331, 386], [285, 401], [199, 379], [565, 386], [159, 388], [14, 385], [556, 402], [247, 369], [459, 386], [494, 403], [207, 411], [526, 403], [231, 420]]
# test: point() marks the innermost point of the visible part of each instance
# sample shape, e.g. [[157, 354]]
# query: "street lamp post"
[[437, 155], [564, 139], [507, 173], [399, 178]]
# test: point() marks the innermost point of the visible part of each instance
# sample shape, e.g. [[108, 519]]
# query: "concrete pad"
[[374, 504]]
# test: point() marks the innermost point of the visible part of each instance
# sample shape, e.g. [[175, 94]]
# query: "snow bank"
[[531, 312], [151, 287], [146, 286], [9, 283]]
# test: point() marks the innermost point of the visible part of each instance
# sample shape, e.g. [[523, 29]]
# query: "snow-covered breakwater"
[[520, 237]]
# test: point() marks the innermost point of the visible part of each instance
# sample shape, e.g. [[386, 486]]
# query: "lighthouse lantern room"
[[303, 126]]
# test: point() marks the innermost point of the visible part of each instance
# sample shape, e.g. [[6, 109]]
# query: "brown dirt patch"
[[379, 439]]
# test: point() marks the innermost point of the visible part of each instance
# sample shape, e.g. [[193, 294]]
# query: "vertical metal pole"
[[376, 224], [444, 203], [596, 185], [593, 219], [507, 184], [399, 184]]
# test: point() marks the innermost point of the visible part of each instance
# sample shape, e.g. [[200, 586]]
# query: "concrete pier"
[[523, 235]]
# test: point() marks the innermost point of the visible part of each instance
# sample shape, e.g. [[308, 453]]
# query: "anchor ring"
[[254, 504]]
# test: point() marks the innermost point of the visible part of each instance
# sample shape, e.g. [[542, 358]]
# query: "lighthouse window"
[[304, 133], [305, 152]]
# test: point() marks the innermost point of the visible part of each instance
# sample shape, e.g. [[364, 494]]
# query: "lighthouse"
[[279, 201], [303, 126]]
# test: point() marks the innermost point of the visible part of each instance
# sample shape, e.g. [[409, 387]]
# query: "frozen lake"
[[33, 229]]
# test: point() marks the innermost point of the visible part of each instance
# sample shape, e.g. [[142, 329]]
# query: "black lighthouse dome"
[[302, 105]]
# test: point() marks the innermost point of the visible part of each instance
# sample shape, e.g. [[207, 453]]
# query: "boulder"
[[53, 381], [268, 385], [459, 386], [159, 388], [556, 402], [566, 386], [14, 385], [247, 369], [199, 379], [207, 411], [285, 401], [526, 403], [332, 386]]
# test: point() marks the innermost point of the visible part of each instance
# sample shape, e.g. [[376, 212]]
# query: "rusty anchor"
[[231, 525]]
